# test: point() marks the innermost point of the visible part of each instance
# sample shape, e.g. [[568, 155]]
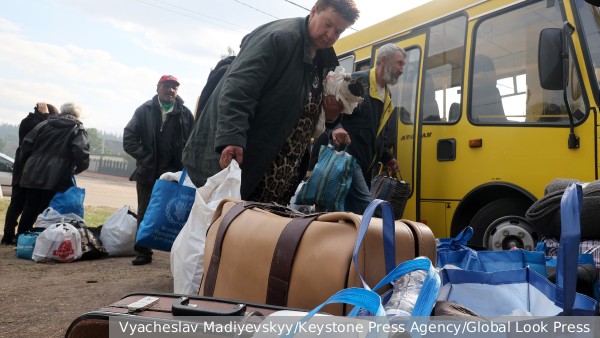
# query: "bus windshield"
[[590, 19]]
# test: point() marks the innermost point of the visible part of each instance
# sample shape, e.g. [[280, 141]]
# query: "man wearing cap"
[[155, 137]]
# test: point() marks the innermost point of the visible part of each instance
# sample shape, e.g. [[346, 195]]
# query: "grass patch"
[[93, 216]]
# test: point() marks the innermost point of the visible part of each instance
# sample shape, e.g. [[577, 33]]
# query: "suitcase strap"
[[210, 277], [283, 257]]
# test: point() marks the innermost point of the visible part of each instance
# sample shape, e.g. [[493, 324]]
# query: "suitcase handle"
[[180, 308]]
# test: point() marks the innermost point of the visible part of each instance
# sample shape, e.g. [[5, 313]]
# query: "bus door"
[[428, 101], [401, 128]]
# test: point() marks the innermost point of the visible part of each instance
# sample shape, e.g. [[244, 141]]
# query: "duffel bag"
[[265, 253]]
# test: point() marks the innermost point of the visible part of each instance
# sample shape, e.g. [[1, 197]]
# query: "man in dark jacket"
[[41, 111], [365, 126], [51, 154], [263, 112], [155, 137]]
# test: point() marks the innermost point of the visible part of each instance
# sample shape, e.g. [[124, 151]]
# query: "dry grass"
[[94, 216]]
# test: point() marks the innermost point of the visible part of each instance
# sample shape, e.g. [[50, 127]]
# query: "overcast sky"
[[107, 55]]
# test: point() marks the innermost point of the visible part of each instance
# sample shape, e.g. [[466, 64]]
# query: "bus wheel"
[[510, 232], [485, 220]]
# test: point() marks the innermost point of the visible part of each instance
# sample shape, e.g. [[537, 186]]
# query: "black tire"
[[493, 211]]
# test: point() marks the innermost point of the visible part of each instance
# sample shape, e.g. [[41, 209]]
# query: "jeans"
[[359, 196]]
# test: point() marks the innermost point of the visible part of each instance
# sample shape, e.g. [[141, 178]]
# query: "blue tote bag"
[[70, 201], [524, 291], [168, 210], [454, 251], [330, 181]]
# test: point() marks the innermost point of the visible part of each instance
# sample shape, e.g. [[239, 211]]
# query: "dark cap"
[[166, 78]]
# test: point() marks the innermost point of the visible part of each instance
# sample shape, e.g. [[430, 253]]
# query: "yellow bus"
[[498, 98]]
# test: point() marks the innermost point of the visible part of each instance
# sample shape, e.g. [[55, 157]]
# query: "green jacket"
[[257, 103]]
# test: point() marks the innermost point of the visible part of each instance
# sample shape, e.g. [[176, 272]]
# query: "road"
[[107, 191]]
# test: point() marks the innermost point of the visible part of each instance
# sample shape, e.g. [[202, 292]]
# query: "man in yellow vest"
[[365, 126]]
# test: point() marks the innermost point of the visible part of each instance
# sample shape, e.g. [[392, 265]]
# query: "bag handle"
[[429, 290], [457, 243], [182, 178], [568, 251], [397, 175], [389, 238], [360, 298], [460, 243], [210, 275]]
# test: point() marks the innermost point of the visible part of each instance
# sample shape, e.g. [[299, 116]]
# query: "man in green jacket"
[[266, 107]]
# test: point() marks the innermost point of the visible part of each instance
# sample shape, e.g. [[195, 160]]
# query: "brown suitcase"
[[166, 312], [260, 253]]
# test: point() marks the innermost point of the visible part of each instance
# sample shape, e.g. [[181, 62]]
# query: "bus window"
[[505, 86], [363, 65], [590, 18], [443, 77], [347, 63], [404, 93]]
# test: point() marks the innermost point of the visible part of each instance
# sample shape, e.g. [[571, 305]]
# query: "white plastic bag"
[[187, 253], [60, 242], [51, 216], [175, 177], [336, 84], [118, 233]]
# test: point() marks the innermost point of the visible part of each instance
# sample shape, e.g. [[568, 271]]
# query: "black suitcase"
[[194, 312]]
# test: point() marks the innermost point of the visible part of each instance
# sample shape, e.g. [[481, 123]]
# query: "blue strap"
[[568, 252], [472, 261], [389, 238], [360, 298], [429, 290], [457, 243], [541, 246], [182, 178]]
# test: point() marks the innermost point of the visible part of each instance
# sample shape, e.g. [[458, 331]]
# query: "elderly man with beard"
[[365, 126]]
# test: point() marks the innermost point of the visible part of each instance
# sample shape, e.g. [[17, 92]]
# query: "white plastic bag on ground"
[[118, 233], [51, 216], [187, 253], [60, 242]]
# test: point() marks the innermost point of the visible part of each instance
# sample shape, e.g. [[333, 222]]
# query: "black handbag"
[[385, 186], [91, 245]]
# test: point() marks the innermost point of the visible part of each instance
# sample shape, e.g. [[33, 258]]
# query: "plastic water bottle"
[[405, 293]]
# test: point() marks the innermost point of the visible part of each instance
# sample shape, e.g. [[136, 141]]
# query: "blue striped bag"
[[330, 181]]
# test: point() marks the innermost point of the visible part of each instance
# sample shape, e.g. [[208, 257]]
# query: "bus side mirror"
[[550, 61]]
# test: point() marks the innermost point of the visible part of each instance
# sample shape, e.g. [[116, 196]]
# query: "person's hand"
[[340, 136], [392, 165], [229, 153], [332, 107], [42, 107]]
